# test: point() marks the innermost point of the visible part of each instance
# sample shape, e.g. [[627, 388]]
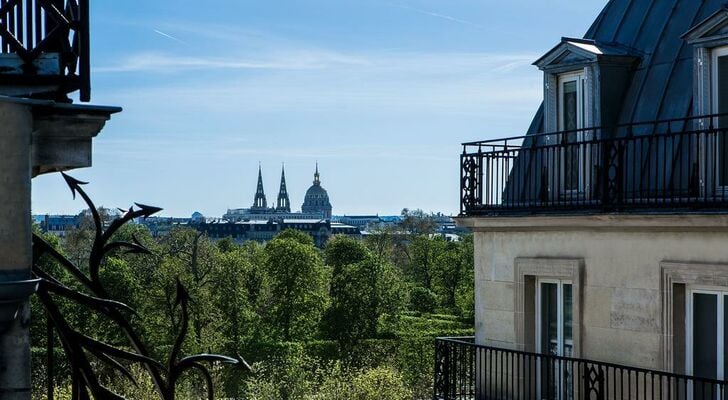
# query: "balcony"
[[466, 371], [44, 49], [675, 165]]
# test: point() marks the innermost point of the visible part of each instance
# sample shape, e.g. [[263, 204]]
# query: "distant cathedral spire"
[[259, 202], [284, 204]]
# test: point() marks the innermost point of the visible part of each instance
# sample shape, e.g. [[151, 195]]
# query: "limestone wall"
[[621, 258]]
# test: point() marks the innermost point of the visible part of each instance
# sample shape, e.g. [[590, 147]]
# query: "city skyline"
[[368, 89]]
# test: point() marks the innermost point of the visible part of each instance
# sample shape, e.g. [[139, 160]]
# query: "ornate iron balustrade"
[[466, 371], [664, 165], [86, 354], [46, 43]]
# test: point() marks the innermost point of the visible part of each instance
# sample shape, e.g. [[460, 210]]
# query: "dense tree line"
[[259, 300]]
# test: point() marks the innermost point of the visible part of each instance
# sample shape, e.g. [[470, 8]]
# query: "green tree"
[[447, 272], [465, 295], [417, 222], [342, 250], [299, 236], [362, 293], [298, 292], [423, 252]]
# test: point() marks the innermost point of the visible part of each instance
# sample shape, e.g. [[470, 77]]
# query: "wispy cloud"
[[168, 36], [162, 62], [312, 59], [438, 15]]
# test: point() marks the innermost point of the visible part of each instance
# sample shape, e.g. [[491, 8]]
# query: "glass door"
[[554, 337], [719, 142], [706, 339], [574, 174]]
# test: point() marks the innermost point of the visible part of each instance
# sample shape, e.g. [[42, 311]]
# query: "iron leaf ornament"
[[78, 347]]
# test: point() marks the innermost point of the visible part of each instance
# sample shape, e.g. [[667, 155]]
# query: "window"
[[706, 336], [555, 314], [530, 273], [554, 336], [572, 117], [719, 62]]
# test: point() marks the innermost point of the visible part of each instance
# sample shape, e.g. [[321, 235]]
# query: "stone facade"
[[629, 274]]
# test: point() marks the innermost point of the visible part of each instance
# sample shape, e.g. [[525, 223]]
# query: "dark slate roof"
[[661, 86]]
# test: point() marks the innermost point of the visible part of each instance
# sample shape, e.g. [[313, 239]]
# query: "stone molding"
[[555, 268], [684, 273], [715, 222]]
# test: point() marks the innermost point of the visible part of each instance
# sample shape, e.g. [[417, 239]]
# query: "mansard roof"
[[661, 84]]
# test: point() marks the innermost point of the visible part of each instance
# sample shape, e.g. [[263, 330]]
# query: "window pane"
[[549, 318], [568, 321], [705, 335], [570, 111], [570, 120]]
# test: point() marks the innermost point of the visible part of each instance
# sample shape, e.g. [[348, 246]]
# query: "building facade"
[[600, 234], [263, 231]]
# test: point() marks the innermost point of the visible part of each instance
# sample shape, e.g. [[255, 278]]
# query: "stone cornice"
[[717, 222]]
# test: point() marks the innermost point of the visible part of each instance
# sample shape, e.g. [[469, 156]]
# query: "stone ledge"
[[62, 133], [601, 222]]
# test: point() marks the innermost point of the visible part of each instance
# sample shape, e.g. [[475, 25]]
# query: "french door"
[[706, 339], [720, 106], [554, 337], [574, 174]]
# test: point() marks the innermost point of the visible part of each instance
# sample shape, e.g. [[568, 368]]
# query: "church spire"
[[259, 202], [284, 204], [316, 176]]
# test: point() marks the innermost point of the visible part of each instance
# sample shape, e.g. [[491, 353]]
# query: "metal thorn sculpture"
[[78, 347]]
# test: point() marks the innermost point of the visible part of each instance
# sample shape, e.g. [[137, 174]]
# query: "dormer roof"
[[713, 28]]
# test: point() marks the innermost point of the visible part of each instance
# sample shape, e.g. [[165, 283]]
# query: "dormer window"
[[583, 84], [709, 39]]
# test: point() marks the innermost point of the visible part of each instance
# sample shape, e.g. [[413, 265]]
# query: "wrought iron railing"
[[466, 371], [662, 165], [51, 40], [87, 355]]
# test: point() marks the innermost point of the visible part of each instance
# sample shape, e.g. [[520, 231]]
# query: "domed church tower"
[[317, 199]]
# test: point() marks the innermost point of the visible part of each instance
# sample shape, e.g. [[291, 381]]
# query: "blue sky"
[[380, 92]]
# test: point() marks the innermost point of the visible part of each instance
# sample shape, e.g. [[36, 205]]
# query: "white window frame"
[[720, 293], [580, 77], [560, 342], [559, 313], [716, 53]]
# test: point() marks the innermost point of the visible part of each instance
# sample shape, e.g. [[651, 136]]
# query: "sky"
[[380, 92]]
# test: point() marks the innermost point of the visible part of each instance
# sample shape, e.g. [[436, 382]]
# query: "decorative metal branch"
[[78, 347]]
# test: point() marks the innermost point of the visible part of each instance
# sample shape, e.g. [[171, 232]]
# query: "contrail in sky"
[[169, 36], [437, 15]]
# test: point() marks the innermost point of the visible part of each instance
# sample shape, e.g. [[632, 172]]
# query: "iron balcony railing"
[[660, 165], [466, 371], [46, 43]]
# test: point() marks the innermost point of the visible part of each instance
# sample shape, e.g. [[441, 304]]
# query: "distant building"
[[261, 222], [58, 225], [362, 222], [316, 204], [162, 226], [317, 199], [262, 231]]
